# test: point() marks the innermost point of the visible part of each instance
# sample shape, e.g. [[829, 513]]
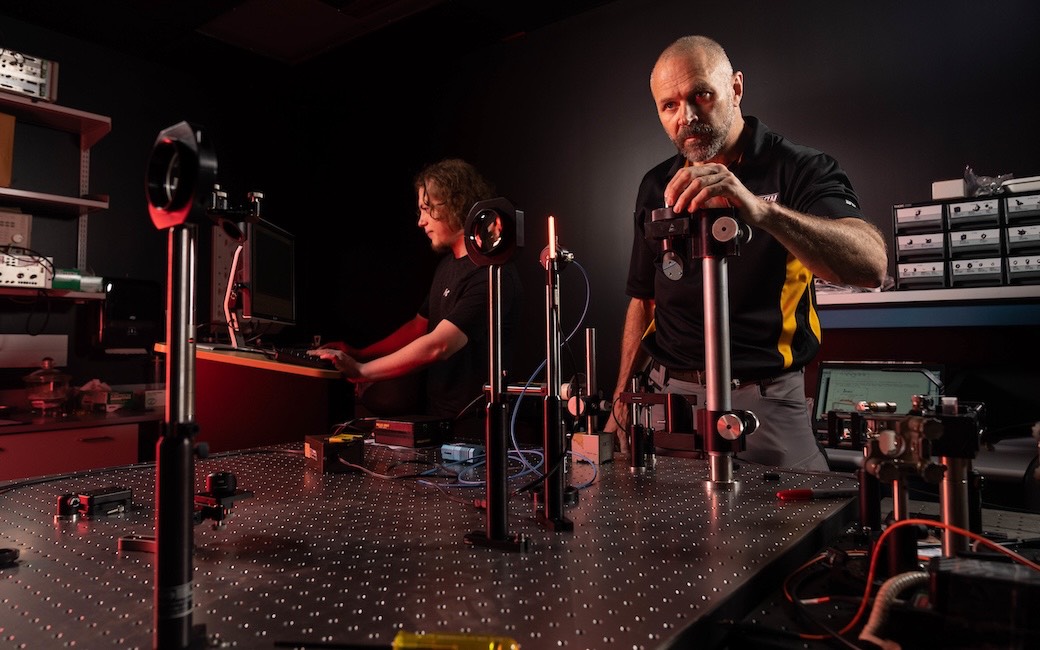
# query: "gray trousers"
[[784, 437]]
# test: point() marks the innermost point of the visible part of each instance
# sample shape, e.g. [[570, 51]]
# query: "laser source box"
[[334, 454]]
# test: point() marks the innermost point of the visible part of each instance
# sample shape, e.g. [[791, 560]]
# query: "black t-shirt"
[[459, 293], [773, 321]]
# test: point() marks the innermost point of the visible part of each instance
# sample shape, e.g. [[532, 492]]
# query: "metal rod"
[[496, 427], [553, 438], [954, 502], [638, 425], [716, 353], [902, 548], [175, 471], [497, 452], [590, 378]]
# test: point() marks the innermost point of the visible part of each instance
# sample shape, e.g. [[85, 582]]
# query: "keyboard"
[[299, 357]]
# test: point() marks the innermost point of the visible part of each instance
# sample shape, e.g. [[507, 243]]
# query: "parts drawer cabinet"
[[60, 451]]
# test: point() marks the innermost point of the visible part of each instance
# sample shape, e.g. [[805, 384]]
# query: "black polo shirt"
[[773, 321]]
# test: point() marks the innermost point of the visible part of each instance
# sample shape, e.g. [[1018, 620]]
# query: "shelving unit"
[[65, 294], [88, 441], [90, 128]]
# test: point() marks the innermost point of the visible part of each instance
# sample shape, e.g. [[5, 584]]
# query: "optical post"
[[493, 231], [719, 236], [181, 165], [713, 235], [555, 443]]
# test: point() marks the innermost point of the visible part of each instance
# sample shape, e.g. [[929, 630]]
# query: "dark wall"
[[902, 94]]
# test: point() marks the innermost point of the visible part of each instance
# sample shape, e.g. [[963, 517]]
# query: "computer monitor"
[[268, 279], [841, 385]]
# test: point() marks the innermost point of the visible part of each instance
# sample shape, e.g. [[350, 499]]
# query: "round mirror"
[[164, 176], [179, 167], [487, 231], [493, 231]]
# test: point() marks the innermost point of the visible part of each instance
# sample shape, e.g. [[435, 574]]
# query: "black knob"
[[221, 484]]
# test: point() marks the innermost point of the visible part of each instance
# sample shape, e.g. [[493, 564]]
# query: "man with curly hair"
[[446, 342]]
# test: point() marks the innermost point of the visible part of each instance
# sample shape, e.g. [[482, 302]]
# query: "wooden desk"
[[259, 361], [244, 399]]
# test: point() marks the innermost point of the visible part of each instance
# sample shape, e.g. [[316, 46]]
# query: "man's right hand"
[[345, 363], [617, 424], [349, 350]]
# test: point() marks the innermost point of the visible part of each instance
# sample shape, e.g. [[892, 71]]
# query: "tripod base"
[[516, 543], [562, 524], [137, 544]]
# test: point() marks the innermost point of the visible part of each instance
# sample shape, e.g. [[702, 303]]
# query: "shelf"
[[918, 296], [959, 307], [88, 126], [64, 294], [53, 204]]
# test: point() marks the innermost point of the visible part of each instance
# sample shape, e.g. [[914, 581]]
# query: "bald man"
[[805, 221]]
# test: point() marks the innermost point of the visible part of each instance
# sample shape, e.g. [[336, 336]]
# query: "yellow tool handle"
[[412, 641]]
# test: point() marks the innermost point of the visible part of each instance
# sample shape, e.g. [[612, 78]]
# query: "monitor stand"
[[231, 300]]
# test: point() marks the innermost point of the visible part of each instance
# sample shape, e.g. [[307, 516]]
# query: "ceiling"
[[290, 32]]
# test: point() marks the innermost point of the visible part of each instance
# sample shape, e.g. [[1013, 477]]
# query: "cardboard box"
[[6, 149], [951, 189], [105, 401], [595, 447], [145, 397]]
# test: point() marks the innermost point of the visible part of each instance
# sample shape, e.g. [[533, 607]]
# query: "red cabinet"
[[41, 453]]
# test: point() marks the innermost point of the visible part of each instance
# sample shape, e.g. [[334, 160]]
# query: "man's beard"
[[703, 150], [445, 246]]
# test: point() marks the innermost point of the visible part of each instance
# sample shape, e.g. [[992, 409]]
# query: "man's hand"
[[345, 363], [349, 350], [843, 250], [710, 186], [617, 424]]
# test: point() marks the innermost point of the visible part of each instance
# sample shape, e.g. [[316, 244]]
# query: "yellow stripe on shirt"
[[796, 284]]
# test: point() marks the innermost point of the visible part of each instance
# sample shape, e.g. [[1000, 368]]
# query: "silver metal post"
[[590, 377], [954, 503], [175, 460], [716, 358]]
